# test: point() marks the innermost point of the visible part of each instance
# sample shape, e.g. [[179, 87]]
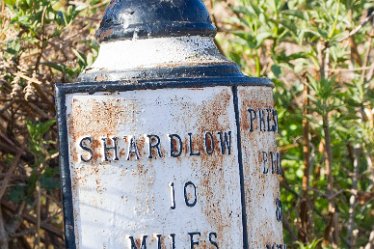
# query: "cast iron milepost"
[[164, 143]]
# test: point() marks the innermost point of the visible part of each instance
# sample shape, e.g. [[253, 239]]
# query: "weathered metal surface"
[[137, 190], [261, 163], [167, 168], [164, 143]]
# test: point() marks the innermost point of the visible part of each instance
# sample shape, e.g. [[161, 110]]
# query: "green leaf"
[[261, 37], [295, 13], [81, 58], [11, 3], [277, 70], [16, 193], [37, 130], [49, 179]]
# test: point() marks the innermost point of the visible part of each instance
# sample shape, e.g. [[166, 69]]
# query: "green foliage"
[[313, 245], [319, 55], [42, 42], [36, 134]]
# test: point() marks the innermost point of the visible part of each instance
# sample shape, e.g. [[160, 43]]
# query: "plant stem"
[[304, 204], [3, 234], [331, 232], [353, 199]]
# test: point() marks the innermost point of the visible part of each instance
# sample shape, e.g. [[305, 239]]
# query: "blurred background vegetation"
[[319, 54]]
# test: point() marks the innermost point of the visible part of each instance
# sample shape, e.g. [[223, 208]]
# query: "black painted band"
[[162, 73], [156, 30]]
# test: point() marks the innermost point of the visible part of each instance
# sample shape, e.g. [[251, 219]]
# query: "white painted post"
[[164, 142]]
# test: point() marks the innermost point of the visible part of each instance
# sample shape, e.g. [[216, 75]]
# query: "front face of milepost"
[[190, 167]]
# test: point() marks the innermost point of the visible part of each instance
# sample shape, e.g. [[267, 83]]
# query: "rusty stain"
[[138, 243], [140, 141], [259, 186], [105, 34], [101, 77], [212, 166], [122, 152], [108, 114], [212, 115], [99, 186]]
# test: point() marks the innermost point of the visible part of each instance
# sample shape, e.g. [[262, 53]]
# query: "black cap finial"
[[126, 19]]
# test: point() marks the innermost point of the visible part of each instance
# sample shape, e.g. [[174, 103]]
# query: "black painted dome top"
[[125, 19]]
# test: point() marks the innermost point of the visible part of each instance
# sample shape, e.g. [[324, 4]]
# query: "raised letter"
[[193, 242], [264, 162], [190, 200], [278, 211], [192, 153], [158, 241], [252, 117], [272, 162], [209, 143], [212, 240], [172, 236], [225, 141], [275, 163], [268, 118], [174, 150], [134, 244], [275, 119], [133, 149], [107, 149], [83, 145], [153, 138], [172, 190], [261, 120]]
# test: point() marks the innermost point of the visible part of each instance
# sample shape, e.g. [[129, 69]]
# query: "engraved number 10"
[[190, 194]]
